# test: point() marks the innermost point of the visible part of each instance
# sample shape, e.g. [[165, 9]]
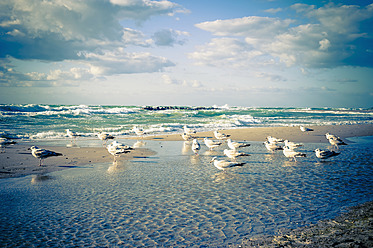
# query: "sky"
[[255, 53]]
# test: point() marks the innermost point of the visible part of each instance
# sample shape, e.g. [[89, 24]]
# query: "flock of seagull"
[[272, 144]]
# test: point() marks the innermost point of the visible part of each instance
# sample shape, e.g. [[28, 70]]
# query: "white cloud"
[[334, 36]]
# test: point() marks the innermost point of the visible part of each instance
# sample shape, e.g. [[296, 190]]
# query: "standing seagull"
[[234, 145], [233, 154], [138, 131], [196, 146], [43, 153], [305, 129], [5, 142], [222, 164], [289, 153], [292, 145], [72, 134], [272, 146], [211, 144], [336, 142], [220, 136], [188, 130], [325, 154], [116, 149], [187, 137], [274, 139], [105, 137]]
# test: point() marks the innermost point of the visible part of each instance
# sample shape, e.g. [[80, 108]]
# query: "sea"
[[175, 198], [43, 122]]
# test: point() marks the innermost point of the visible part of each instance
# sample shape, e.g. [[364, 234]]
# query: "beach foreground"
[[17, 159], [352, 229]]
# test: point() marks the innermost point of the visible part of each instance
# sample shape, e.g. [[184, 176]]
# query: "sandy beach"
[[17, 159]]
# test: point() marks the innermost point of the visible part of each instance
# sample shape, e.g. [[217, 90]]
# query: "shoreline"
[[17, 160], [292, 133]]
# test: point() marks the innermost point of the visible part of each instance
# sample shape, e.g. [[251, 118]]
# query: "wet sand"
[[18, 161], [352, 229]]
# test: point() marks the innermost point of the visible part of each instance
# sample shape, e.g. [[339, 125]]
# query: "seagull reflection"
[[187, 147], [195, 160], [72, 145], [223, 176], [211, 153], [139, 144], [115, 167], [40, 178]]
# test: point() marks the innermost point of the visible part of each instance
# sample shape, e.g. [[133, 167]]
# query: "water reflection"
[[40, 178], [187, 147], [139, 144]]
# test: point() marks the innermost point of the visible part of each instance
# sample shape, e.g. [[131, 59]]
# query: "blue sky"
[[196, 52]]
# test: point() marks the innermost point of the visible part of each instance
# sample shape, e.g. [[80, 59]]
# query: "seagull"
[[305, 129], [211, 144], [120, 145], [234, 145], [116, 151], [336, 142], [292, 145], [72, 134], [195, 146], [272, 146], [187, 137], [138, 131], [222, 164], [220, 136], [6, 142], [329, 135], [289, 153], [188, 130], [233, 154], [43, 153], [325, 154], [105, 136], [274, 140]]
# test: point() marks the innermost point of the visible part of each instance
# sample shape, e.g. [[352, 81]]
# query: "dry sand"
[[289, 133], [17, 159]]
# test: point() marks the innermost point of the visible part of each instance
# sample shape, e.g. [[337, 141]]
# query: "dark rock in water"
[[352, 229], [156, 108]]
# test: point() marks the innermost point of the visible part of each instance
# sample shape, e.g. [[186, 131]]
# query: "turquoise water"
[[40, 122], [177, 199]]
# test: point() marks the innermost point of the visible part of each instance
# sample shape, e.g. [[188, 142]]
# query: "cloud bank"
[[329, 37], [80, 31]]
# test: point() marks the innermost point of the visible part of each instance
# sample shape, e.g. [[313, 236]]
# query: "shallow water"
[[178, 199]]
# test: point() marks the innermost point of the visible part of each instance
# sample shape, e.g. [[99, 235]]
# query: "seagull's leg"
[[40, 162]]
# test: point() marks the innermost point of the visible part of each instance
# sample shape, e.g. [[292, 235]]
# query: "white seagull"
[[289, 153], [305, 129], [187, 137], [274, 139], [188, 130], [5, 142], [72, 134], [138, 131], [272, 146], [211, 144], [116, 151], [336, 142], [196, 146], [233, 154], [325, 154], [234, 145], [120, 145], [43, 153], [222, 164], [220, 136], [292, 145], [105, 137]]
